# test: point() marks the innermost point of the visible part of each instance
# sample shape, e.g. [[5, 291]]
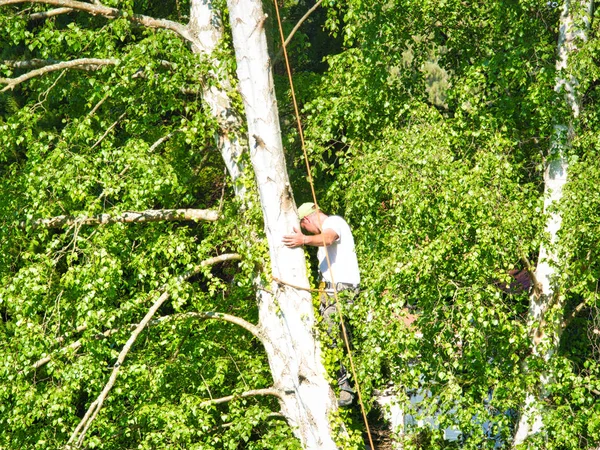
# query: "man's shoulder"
[[333, 220], [336, 223], [338, 220]]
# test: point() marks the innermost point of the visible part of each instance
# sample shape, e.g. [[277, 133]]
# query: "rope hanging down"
[[314, 196]]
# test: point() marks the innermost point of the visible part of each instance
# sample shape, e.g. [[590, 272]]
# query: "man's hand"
[[297, 239]]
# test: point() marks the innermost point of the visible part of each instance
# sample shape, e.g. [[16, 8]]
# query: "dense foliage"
[[427, 126], [429, 133]]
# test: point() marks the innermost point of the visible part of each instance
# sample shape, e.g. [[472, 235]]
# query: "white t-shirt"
[[342, 256]]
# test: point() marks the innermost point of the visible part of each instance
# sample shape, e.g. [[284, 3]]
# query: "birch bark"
[[206, 27], [286, 314], [546, 302]]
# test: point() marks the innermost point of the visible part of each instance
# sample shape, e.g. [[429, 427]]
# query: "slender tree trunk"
[[286, 314], [545, 310], [207, 28]]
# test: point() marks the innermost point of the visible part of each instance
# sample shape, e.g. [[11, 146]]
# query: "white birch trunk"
[[394, 414], [206, 27], [545, 324], [286, 314]]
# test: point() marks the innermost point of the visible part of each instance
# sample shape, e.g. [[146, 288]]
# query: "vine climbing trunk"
[[286, 314], [546, 303]]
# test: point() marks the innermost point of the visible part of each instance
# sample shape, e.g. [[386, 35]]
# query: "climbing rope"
[[314, 196]]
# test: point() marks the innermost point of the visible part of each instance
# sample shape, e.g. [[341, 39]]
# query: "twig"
[[83, 426], [97, 105], [160, 141], [80, 64], [294, 286], [149, 215], [108, 130]]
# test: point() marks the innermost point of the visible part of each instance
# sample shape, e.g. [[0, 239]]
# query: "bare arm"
[[298, 239]]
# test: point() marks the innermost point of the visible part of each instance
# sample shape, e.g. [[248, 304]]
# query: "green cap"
[[306, 209]]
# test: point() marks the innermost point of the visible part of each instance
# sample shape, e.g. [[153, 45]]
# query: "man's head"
[[306, 209], [307, 213]]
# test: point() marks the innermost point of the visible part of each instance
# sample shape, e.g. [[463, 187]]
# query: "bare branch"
[[269, 391], [28, 64], [160, 141], [253, 329], [300, 288], [98, 105], [565, 323], [92, 412], [300, 22], [98, 9], [150, 215], [80, 64], [47, 14], [296, 28], [114, 124]]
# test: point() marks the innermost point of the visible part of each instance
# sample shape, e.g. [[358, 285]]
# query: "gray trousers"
[[329, 312]]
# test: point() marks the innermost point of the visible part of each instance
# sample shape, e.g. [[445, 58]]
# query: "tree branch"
[[80, 64], [160, 141], [252, 329], [47, 14], [114, 124], [94, 408], [269, 391], [150, 215], [28, 64], [567, 321], [98, 9], [92, 412], [537, 287], [296, 28]]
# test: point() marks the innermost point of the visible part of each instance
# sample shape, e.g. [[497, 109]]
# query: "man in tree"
[[338, 268]]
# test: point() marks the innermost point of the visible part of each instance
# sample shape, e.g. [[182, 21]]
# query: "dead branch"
[[150, 215], [98, 9], [28, 64], [51, 13], [80, 64], [269, 391], [92, 412]]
